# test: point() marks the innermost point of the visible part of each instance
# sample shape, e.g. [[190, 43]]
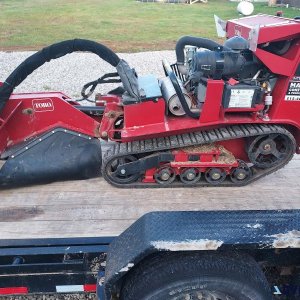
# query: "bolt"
[[123, 171], [104, 134], [241, 176], [190, 176], [27, 111], [165, 176], [267, 147], [216, 176], [112, 115]]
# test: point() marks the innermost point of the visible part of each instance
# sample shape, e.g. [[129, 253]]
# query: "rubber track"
[[195, 139]]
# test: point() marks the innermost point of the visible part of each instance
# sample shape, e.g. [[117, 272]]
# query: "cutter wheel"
[[206, 164]]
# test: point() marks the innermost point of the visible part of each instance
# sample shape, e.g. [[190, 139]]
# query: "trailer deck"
[[94, 208]]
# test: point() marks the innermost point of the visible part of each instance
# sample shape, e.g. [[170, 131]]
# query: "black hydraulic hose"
[[194, 41], [52, 52]]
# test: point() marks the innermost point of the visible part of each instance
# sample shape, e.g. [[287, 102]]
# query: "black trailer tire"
[[196, 275]]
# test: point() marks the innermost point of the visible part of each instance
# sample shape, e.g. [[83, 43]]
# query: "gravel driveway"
[[69, 73]]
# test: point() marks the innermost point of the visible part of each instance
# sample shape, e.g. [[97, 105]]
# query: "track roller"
[[241, 174], [165, 175], [190, 175], [215, 176]]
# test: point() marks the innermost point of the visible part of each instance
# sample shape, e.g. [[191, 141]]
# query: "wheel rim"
[[190, 175], [269, 150], [241, 174], [165, 175], [215, 176], [111, 170]]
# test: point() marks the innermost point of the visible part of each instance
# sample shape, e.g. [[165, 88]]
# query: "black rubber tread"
[[194, 139], [168, 271]]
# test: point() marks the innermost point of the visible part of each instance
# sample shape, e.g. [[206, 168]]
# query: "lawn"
[[123, 25]]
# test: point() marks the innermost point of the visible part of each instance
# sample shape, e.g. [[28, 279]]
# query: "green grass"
[[123, 25]]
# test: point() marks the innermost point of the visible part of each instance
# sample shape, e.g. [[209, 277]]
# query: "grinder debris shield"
[[56, 155]]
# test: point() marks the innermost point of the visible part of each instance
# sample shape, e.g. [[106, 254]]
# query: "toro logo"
[[41, 105]]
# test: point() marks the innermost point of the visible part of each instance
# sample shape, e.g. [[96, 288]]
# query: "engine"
[[246, 80], [233, 60]]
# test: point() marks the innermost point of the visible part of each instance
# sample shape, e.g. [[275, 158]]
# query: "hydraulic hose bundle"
[[48, 53]]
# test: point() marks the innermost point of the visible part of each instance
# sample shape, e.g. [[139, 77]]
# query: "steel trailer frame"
[[58, 265], [89, 264]]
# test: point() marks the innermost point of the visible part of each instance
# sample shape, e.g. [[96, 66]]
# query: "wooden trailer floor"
[[94, 208]]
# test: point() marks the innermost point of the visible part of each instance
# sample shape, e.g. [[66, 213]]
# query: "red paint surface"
[[89, 288], [13, 290]]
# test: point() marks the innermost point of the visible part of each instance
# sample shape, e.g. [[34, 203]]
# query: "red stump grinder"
[[224, 115]]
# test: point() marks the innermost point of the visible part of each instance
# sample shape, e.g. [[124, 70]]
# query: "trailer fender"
[[198, 231]]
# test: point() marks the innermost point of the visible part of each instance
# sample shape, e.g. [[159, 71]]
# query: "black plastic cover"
[[58, 156]]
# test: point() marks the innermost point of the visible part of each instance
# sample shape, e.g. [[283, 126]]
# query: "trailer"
[[165, 255], [66, 238]]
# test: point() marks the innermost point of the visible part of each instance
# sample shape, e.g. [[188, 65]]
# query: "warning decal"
[[293, 92], [241, 98]]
